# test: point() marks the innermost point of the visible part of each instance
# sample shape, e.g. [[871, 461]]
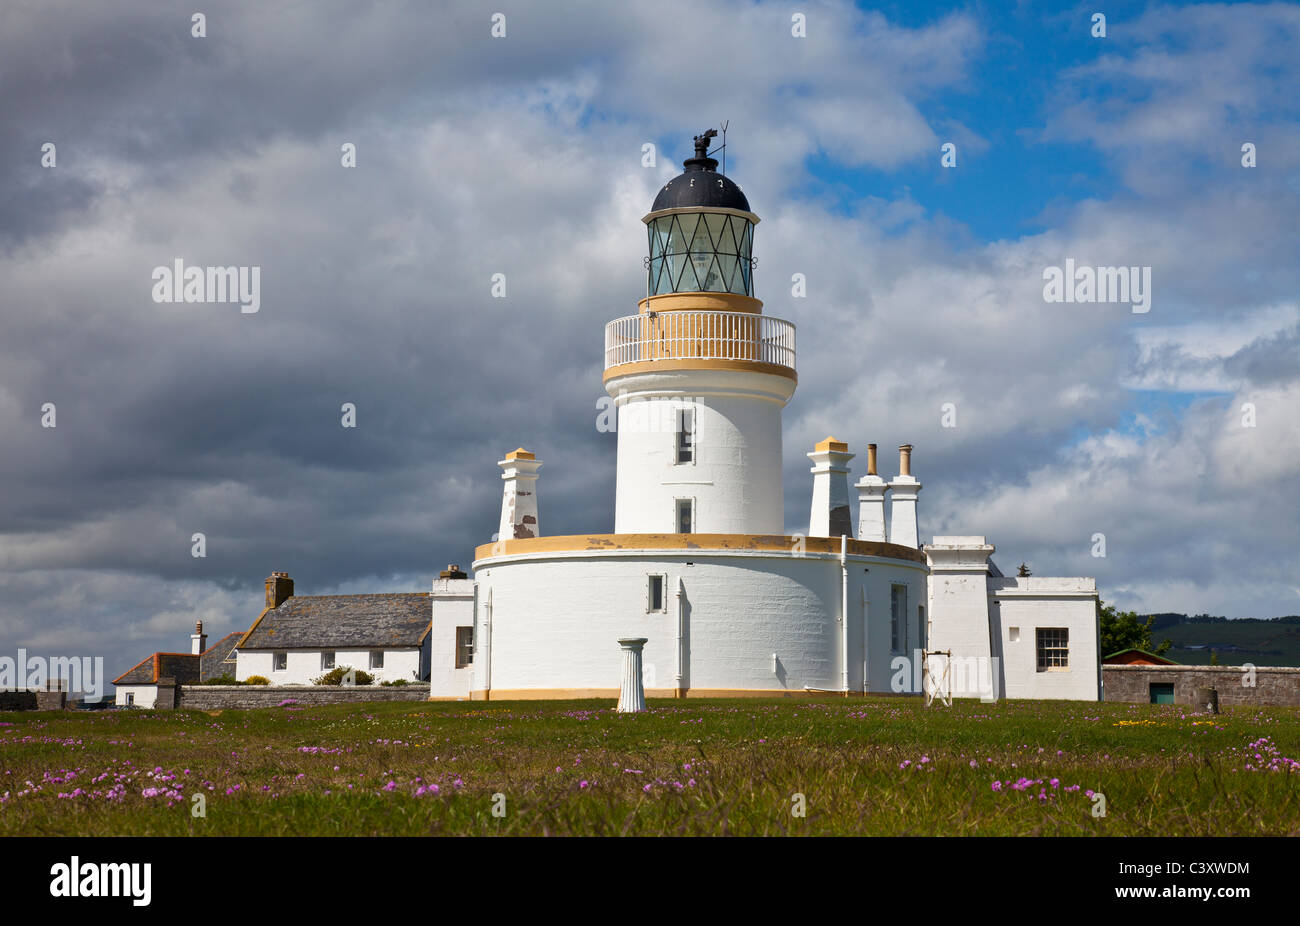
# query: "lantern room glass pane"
[[719, 227], [727, 275], [700, 252]]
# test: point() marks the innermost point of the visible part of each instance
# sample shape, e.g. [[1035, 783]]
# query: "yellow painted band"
[[660, 366], [701, 302], [556, 694], [710, 543]]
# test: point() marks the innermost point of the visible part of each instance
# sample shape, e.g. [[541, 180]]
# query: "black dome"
[[701, 184]]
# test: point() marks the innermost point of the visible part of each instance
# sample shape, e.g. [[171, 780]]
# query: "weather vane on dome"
[[702, 143]]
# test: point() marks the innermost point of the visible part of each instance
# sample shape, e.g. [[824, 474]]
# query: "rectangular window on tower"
[[685, 515], [655, 594], [898, 618], [685, 435]]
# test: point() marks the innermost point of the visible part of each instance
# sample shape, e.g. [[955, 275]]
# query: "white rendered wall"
[[958, 611], [735, 476], [145, 695], [453, 607], [304, 665], [1029, 603], [556, 619]]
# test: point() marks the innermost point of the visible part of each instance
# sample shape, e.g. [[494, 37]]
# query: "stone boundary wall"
[[1273, 685], [51, 700], [17, 700], [242, 697], [34, 699]]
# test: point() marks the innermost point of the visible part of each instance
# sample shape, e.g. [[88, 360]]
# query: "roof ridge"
[[355, 595], [222, 639]]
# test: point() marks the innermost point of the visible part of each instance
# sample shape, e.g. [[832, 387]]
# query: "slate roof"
[[338, 621], [220, 657], [186, 668]]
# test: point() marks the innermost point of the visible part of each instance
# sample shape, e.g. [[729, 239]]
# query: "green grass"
[[864, 766]]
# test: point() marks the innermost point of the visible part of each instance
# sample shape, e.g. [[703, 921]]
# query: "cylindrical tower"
[[699, 375]]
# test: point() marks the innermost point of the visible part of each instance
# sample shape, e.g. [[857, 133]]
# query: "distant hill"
[[1262, 641]]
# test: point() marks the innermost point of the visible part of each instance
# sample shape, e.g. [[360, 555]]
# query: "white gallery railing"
[[699, 336]]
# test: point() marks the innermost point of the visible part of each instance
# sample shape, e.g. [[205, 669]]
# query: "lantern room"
[[701, 231]]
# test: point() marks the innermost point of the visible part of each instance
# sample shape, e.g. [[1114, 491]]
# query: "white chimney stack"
[[519, 495], [198, 639], [830, 497], [902, 515], [871, 501]]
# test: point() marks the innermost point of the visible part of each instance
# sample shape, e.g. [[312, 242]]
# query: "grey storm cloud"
[[523, 157]]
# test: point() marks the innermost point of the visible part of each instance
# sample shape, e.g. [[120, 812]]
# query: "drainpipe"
[[844, 612], [681, 638], [866, 624], [487, 663]]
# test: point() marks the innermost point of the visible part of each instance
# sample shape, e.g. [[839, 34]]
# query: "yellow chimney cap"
[[520, 454], [831, 443]]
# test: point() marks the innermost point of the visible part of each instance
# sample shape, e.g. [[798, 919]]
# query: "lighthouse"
[[699, 374], [699, 590]]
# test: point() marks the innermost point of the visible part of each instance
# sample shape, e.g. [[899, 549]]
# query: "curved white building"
[[699, 565]]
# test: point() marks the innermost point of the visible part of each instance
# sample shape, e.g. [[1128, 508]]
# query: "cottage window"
[[464, 646], [376, 659], [280, 662], [1053, 648], [130, 699], [327, 660]]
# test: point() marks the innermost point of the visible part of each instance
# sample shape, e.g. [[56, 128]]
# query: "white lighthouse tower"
[[699, 574], [699, 375]]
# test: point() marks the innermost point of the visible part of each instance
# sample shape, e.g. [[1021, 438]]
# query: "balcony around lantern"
[[735, 338]]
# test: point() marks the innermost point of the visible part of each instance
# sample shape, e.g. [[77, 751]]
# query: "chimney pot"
[[905, 460], [871, 459], [198, 639]]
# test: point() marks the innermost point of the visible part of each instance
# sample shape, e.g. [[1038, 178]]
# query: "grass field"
[[862, 766]]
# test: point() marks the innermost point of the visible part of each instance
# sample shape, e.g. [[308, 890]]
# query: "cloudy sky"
[[523, 155]]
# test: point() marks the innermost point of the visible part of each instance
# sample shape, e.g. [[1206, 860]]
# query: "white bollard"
[[631, 698]]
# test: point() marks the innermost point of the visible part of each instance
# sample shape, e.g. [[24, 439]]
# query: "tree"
[[1121, 630]]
